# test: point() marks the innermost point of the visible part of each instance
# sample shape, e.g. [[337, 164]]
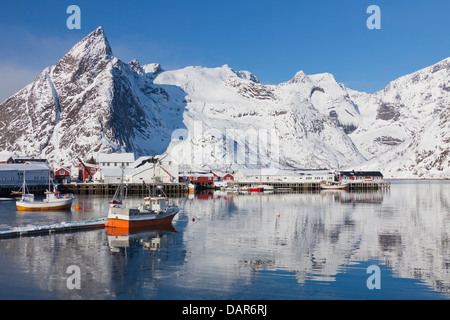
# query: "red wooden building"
[[62, 174], [84, 175], [9, 160], [198, 178], [228, 177]]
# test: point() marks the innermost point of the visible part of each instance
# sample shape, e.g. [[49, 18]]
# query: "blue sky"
[[272, 39]]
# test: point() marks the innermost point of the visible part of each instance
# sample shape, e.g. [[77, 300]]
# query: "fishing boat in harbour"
[[334, 186], [155, 211], [53, 200], [256, 188]]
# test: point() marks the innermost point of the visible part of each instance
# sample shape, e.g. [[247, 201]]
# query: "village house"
[[146, 169], [115, 160], [33, 173], [279, 176], [86, 172], [7, 160], [155, 169], [361, 176], [62, 174]]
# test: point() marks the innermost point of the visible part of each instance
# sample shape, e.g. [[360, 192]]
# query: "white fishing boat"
[[333, 186], [53, 200]]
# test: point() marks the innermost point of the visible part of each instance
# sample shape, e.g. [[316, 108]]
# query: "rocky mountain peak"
[[90, 102]]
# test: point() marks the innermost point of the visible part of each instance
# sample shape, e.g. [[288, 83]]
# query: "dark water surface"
[[235, 246]]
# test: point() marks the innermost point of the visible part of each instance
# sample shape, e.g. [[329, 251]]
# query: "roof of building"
[[116, 157], [280, 172], [361, 173], [24, 167]]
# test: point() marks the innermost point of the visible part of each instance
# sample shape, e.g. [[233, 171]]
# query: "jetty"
[[133, 189], [33, 230], [316, 186]]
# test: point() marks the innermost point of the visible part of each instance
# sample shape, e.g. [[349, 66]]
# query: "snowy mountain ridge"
[[219, 118]]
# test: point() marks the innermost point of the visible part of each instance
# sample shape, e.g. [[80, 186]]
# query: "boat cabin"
[[156, 203], [28, 197]]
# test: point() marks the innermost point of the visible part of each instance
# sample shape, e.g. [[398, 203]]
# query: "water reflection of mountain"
[[110, 264], [225, 242], [344, 196], [317, 235]]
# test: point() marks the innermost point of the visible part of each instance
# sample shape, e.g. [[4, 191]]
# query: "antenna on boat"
[[162, 190]]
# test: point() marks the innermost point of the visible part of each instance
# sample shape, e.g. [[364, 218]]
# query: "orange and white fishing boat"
[[53, 201], [155, 211]]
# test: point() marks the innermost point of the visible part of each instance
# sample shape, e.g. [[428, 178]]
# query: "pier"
[[141, 189], [315, 186], [17, 232], [133, 189]]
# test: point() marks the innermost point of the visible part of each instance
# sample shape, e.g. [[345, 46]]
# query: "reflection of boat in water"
[[150, 238], [333, 186]]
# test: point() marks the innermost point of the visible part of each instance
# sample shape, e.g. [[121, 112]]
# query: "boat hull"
[[117, 220], [334, 187], [44, 206]]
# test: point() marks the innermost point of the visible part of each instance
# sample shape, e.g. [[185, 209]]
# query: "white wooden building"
[[279, 176], [157, 169], [33, 173], [148, 169], [115, 160]]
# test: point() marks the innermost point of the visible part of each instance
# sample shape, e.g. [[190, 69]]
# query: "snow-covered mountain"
[[89, 102], [233, 119], [404, 128], [219, 118]]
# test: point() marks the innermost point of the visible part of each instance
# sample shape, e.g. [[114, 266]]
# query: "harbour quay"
[[132, 189], [317, 186]]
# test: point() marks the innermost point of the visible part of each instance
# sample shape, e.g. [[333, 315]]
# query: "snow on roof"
[[281, 172], [24, 167], [116, 157], [6, 155]]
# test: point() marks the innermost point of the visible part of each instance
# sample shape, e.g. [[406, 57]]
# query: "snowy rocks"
[[90, 102]]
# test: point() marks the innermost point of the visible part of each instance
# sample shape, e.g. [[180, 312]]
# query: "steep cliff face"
[[89, 102], [219, 118], [401, 110], [246, 122]]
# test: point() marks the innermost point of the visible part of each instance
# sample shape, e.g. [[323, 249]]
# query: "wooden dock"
[[315, 186], [171, 189], [133, 189], [16, 232]]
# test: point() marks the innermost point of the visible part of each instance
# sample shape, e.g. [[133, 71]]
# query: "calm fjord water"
[[237, 246]]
